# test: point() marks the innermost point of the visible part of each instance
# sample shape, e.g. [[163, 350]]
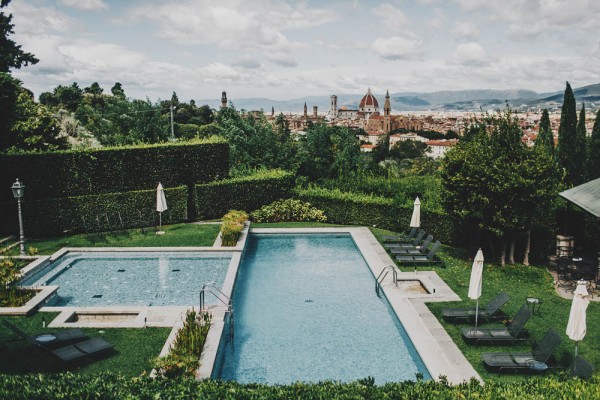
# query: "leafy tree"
[[567, 137], [69, 97], [593, 151], [545, 138], [48, 99], [382, 150], [408, 149], [496, 185], [94, 89], [117, 90], [9, 92], [578, 163], [11, 54]]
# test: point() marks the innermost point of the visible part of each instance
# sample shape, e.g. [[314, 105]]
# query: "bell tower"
[[224, 99], [387, 108], [333, 109]]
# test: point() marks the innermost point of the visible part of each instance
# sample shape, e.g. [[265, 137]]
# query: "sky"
[[289, 49]]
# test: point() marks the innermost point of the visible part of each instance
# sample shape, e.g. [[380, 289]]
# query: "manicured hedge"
[[246, 193], [361, 209], [109, 386], [100, 212], [112, 170]]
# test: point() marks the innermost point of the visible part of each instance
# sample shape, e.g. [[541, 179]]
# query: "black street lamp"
[[19, 191]]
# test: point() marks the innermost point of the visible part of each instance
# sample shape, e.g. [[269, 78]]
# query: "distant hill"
[[460, 100]]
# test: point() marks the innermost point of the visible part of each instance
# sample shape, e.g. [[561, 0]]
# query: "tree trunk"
[[511, 251], [503, 252], [492, 247], [527, 247]]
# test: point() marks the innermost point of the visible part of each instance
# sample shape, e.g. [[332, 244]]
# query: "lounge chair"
[[48, 339], [422, 249], [581, 368], [401, 238], [415, 242], [515, 332], [534, 361], [489, 312], [422, 259], [69, 352]]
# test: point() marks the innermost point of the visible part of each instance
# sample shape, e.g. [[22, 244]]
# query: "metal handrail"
[[384, 272], [218, 293]]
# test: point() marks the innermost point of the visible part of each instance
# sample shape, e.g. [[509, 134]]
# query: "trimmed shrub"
[[110, 170], [105, 212], [246, 193], [232, 226], [362, 209], [288, 210]]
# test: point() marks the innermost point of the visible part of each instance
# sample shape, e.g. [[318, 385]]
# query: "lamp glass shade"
[[18, 189]]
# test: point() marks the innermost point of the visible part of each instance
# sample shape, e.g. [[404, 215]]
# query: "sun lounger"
[[581, 368], [422, 249], [48, 339], [534, 361], [514, 333], [415, 242], [422, 259], [490, 311], [401, 238]]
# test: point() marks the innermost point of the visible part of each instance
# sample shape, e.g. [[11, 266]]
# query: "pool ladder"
[[384, 272], [223, 298]]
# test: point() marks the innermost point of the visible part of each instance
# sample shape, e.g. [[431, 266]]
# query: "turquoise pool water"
[[306, 310], [131, 278]]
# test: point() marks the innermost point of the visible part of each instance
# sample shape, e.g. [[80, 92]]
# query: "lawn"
[[133, 349], [520, 282], [175, 235]]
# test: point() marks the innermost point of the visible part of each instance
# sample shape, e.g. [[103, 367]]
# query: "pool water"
[[131, 278], [306, 310]]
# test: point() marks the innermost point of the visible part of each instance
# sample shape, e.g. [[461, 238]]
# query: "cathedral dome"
[[368, 103]]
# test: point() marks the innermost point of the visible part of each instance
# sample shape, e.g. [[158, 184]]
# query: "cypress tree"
[[545, 138], [578, 165], [567, 136], [593, 151]]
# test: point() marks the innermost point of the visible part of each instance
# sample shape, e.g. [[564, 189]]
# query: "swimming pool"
[[131, 278], [306, 310]]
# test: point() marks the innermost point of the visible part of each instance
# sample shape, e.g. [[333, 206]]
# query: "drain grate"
[[97, 296], [175, 270], [309, 301], [120, 270]]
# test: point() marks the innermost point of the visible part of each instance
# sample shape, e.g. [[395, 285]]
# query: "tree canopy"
[[11, 54]]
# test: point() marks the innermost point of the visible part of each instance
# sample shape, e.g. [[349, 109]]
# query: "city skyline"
[[285, 50]]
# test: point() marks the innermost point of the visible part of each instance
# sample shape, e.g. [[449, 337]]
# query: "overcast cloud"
[[283, 50]]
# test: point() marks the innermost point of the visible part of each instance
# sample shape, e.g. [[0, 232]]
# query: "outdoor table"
[[532, 303]]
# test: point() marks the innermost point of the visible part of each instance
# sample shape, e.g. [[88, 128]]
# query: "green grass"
[[175, 235], [520, 282], [133, 349]]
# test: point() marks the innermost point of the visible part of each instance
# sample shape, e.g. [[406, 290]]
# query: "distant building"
[[437, 148]]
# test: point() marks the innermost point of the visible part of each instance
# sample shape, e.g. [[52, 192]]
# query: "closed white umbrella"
[[476, 281], [576, 328], [415, 221], [161, 205]]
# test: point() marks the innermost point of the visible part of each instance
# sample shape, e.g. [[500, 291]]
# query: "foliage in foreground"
[[110, 386], [185, 352], [11, 296], [288, 210]]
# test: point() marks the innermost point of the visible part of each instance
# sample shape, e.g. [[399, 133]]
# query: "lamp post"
[[18, 190], [172, 128]]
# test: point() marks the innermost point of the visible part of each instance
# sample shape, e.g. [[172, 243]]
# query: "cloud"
[[33, 21], [392, 18], [465, 31], [470, 54], [398, 48], [281, 59], [88, 5], [438, 20]]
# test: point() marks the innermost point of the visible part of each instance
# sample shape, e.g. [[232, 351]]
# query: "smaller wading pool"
[[128, 278]]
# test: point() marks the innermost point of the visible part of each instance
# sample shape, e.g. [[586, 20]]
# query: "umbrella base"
[[160, 232]]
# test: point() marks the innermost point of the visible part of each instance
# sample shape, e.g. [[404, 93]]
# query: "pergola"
[[586, 196]]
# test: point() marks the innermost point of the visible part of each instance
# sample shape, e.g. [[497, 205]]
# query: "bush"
[[183, 360], [246, 193], [103, 212], [11, 296], [363, 209], [232, 226], [288, 210], [118, 169]]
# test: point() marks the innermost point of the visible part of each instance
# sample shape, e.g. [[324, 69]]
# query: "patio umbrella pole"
[[476, 312]]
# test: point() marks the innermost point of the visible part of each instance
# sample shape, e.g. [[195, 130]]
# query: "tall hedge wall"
[[110, 211], [246, 193], [111, 170], [359, 209]]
